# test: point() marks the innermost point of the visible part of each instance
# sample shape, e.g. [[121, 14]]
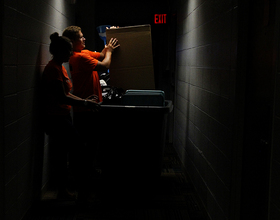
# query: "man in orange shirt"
[[84, 65]]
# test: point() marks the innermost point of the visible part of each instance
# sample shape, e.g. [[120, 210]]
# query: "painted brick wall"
[[274, 206], [27, 25], [275, 164], [204, 102]]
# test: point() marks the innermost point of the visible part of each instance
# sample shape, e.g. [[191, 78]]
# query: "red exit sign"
[[160, 18]]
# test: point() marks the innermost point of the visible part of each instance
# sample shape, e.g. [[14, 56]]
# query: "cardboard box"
[[132, 63]]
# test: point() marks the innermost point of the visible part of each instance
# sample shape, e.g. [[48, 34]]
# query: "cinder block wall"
[[275, 163], [204, 100], [25, 42], [274, 207]]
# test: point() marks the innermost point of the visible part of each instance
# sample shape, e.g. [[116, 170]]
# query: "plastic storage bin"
[[144, 97], [133, 140]]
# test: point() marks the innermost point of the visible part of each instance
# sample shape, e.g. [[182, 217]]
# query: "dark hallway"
[[170, 197], [217, 61]]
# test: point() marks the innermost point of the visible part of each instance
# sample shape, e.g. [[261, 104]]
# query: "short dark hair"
[[72, 32]]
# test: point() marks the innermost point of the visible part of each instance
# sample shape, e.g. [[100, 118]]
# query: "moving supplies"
[[132, 63], [144, 98]]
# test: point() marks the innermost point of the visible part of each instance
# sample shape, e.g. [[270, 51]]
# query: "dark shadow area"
[[170, 196], [38, 137]]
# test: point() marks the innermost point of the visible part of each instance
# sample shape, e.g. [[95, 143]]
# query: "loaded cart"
[[134, 129], [133, 139]]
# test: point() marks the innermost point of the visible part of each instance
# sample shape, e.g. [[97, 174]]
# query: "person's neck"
[[77, 48], [57, 61]]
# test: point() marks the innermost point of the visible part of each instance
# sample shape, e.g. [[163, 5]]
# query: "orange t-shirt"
[[85, 79], [53, 72]]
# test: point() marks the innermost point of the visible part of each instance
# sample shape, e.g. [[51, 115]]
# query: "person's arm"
[[108, 50], [102, 54], [70, 99]]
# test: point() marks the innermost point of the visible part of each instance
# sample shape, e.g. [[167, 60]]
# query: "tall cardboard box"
[[132, 63]]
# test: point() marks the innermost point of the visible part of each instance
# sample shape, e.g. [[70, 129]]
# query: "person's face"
[[80, 42]]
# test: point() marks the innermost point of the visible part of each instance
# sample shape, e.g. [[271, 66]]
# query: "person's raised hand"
[[112, 45]]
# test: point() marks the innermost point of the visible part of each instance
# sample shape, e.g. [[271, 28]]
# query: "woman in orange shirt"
[[65, 141]]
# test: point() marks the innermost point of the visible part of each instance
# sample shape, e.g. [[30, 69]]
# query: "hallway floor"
[[170, 197]]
